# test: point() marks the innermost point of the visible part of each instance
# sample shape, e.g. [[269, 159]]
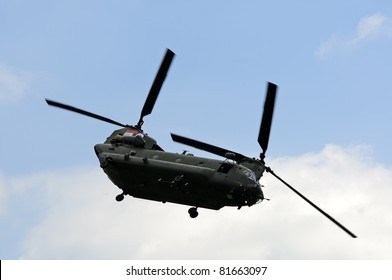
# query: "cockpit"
[[135, 138]]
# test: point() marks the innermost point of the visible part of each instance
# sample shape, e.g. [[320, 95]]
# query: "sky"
[[330, 136]]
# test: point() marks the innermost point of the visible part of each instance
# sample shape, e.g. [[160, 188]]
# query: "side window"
[[225, 167]]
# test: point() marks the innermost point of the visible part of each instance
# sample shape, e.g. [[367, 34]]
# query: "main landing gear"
[[120, 197], [193, 212]]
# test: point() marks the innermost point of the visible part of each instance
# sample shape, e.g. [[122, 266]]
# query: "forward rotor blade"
[[206, 147], [266, 121], [156, 86], [311, 203], [83, 112]]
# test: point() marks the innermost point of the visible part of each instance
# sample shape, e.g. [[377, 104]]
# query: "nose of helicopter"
[[100, 150], [253, 194], [97, 150], [257, 192]]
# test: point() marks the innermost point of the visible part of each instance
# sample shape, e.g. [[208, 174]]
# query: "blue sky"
[[331, 60]]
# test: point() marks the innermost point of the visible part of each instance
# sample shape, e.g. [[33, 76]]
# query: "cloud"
[[78, 217], [13, 83], [368, 27]]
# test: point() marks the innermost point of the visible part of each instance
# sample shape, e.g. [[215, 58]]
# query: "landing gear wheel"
[[193, 212], [120, 197]]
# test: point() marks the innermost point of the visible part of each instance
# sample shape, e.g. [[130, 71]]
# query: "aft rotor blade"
[[83, 112], [311, 203], [156, 85], [206, 147], [266, 121]]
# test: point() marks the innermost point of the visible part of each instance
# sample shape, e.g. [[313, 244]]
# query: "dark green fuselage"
[[136, 164]]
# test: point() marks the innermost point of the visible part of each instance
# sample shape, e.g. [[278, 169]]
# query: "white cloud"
[[13, 83], [82, 220], [368, 27]]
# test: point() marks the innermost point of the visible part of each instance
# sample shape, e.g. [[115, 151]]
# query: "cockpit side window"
[[225, 167]]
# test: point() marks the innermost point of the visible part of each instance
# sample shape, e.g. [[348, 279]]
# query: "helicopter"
[[140, 168]]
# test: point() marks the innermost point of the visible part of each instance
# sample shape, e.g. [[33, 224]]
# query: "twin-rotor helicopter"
[[137, 165]]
